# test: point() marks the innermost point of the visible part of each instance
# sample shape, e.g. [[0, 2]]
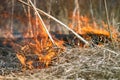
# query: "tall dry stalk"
[[25, 11], [91, 10], [100, 13], [43, 23], [42, 12], [49, 6], [35, 29], [108, 22], [12, 11], [76, 12], [29, 21]]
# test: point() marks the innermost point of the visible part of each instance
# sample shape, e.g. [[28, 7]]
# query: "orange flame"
[[41, 46], [84, 26], [22, 59]]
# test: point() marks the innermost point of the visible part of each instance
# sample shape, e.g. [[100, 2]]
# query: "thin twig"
[[110, 51], [42, 22], [107, 16], [42, 12], [106, 49]]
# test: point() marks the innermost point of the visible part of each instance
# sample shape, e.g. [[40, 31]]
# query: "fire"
[[83, 26], [40, 46], [22, 59], [89, 29], [40, 50]]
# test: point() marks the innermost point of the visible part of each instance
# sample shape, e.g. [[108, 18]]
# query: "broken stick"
[[81, 38], [42, 22], [42, 12]]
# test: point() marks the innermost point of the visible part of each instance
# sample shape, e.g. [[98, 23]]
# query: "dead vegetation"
[[86, 51], [75, 63]]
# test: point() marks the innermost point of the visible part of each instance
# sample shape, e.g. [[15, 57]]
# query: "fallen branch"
[[42, 12], [107, 50], [110, 51], [82, 39], [42, 22]]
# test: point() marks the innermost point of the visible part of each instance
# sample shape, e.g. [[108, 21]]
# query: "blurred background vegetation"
[[16, 14]]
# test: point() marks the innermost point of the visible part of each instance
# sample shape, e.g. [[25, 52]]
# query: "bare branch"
[[42, 12], [42, 22]]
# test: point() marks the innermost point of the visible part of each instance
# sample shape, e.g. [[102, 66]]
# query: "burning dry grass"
[[44, 57], [76, 63]]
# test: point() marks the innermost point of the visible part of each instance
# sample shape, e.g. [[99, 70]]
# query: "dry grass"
[[75, 64], [72, 64]]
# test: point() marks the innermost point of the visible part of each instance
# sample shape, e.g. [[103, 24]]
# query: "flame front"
[[40, 46], [39, 52], [83, 25]]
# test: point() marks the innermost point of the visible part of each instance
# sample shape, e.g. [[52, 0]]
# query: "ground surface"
[[74, 64]]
